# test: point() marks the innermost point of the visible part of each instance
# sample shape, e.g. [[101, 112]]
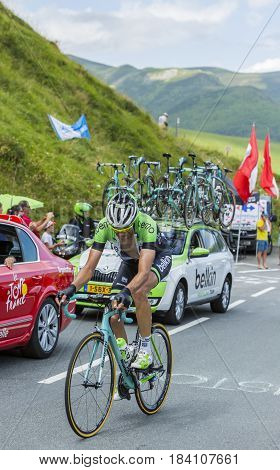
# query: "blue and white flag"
[[79, 130]]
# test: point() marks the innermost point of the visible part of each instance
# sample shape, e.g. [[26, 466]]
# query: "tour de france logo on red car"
[[16, 294]]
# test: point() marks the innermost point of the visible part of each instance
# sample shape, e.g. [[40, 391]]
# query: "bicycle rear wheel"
[[87, 402], [155, 381]]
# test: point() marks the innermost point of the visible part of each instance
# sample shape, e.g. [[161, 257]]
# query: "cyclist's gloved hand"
[[122, 298], [63, 296]]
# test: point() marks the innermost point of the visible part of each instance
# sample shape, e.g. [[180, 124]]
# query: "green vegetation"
[[37, 79], [193, 93], [230, 146]]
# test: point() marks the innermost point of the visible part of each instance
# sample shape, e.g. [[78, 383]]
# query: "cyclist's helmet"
[[81, 207], [121, 211]]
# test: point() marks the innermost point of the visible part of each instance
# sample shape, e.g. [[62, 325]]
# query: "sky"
[[160, 33]]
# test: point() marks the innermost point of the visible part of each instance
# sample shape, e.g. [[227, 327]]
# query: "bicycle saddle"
[[166, 155]]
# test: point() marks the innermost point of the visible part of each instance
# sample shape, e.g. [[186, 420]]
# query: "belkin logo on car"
[[206, 279]]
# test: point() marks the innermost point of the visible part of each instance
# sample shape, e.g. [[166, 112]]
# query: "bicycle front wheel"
[[88, 401], [154, 382]]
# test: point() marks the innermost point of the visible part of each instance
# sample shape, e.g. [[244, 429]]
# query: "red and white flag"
[[268, 182], [246, 176]]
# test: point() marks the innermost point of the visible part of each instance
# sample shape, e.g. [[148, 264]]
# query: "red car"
[[29, 316]]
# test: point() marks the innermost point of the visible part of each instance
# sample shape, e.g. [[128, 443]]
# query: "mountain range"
[[216, 99]]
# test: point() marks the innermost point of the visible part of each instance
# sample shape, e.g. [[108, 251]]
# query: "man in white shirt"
[[163, 121]]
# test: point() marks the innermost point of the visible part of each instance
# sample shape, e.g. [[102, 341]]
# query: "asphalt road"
[[225, 391]]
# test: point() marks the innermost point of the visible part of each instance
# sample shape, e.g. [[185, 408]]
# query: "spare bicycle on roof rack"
[[189, 194]]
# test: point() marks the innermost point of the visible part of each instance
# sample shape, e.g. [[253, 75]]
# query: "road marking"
[[235, 304], [259, 271], [225, 384], [264, 291], [188, 325], [247, 264], [62, 375]]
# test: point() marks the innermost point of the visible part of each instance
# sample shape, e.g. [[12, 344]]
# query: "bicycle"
[[218, 203], [171, 196], [91, 375], [114, 184]]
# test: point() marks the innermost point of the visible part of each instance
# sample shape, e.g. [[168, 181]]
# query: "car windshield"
[[69, 232], [176, 240]]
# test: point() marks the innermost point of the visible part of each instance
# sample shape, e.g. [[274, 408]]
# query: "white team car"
[[202, 272]]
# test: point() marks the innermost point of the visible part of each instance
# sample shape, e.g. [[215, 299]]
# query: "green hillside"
[[230, 147], [191, 94], [37, 79]]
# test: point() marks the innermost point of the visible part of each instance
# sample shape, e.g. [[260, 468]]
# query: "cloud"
[[260, 3], [135, 26], [268, 65]]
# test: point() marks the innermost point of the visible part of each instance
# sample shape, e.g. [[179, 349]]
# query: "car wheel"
[[176, 313], [220, 305], [45, 333]]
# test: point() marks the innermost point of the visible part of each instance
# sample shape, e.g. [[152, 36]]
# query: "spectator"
[[163, 121], [1, 208], [47, 238], [15, 210], [262, 240], [38, 226]]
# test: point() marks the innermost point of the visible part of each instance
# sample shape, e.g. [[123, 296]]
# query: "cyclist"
[[146, 260]]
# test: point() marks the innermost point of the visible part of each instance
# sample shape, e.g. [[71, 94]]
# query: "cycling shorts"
[[128, 270]]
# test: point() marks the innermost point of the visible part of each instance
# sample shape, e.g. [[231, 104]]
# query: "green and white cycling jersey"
[[146, 233]]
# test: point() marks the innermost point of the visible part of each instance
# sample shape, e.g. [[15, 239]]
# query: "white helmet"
[[165, 114], [121, 211]]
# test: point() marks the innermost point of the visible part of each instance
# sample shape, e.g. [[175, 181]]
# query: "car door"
[[196, 270], [18, 286], [214, 268]]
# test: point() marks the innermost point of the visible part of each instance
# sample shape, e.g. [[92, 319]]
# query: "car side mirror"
[[199, 253]]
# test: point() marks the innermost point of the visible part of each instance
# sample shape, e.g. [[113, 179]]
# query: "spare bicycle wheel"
[[154, 382], [227, 209]]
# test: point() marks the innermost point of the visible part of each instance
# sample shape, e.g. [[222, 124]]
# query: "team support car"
[[29, 316], [202, 272]]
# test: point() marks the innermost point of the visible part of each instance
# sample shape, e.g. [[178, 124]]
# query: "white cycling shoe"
[[142, 361]]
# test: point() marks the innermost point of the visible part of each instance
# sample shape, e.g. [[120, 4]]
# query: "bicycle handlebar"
[[73, 316]]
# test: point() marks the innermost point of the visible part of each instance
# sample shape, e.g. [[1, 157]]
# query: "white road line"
[[62, 375], [259, 271], [264, 291], [236, 303], [188, 325]]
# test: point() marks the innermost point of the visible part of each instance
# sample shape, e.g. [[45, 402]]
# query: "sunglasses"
[[122, 230]]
